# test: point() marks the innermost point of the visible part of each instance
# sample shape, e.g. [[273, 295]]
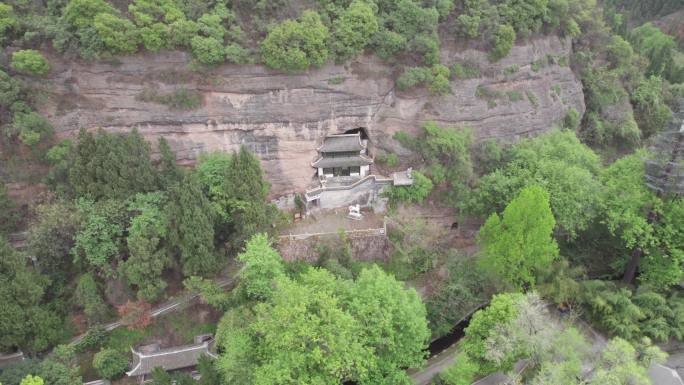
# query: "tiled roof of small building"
[[169, 359], [342, 143], [342, 161]]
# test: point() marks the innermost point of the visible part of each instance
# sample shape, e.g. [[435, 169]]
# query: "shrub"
[[181, 99], [296, 45], [461, 372], [571, 120], [504, 37], [208, 50], [465, 70], [30, 62], [412, 77], [514, 96], [416, 193], [511, 70], [110, 364], [31, 128]]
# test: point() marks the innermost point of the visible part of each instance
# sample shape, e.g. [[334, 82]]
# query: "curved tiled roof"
[[342, 143], [169, 359], [342, 161]]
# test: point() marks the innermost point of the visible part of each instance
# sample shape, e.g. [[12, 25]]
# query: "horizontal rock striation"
[[283, 117]]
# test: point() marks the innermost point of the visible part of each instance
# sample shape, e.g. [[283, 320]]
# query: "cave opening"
[[362, 130]]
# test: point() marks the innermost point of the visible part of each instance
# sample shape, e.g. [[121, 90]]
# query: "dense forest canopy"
[[586, 218]]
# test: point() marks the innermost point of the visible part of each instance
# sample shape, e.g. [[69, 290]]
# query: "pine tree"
[[248, 191], [191, 231]]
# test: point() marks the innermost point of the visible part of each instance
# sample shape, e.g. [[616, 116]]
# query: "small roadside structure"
[[343, 155], [148, 357], [343, 171]]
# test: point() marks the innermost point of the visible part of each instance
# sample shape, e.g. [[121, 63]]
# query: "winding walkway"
[[161, 309]]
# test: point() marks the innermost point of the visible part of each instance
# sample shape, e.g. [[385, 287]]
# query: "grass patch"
[[122, 338], [533, 99], [336, 80], [484, 92], [514, 96], [179, 99], [511, 70], [491, 103], [465, 70]]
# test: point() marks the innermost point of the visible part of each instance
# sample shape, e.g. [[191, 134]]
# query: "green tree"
[[108, 165], [396, 328], [520, 243], [647, 226], [415, 193], [503, 309], [462, 372], [99, 242], [30, 62], [32, 380], [503, 41], [147, 235], [169, 172], [621, 363], [208, 50], [321, 329], [660, 49], [8, 21], [296, 45], [7, 217], [60, 367], [118, 34], [262, 266], [110, 363], [556, 160], [249, 209], [26, 321], [87, 295], [31, 128], [51, 237], [191, 232], [651, 112], [353, 30]]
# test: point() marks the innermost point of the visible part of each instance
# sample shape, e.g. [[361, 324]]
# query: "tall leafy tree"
[[147, 238], [353, 30], [556, 160], [99, 242], [649, 227], [262, 265], [395, 324], [87, 295], [191, 231], [108, 165], [321, 329], [296, 45], [238, 191], [7, 217], [519, 243], [51, 238], [26, 321]]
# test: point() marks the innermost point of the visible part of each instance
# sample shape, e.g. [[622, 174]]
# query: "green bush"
[[412, 77], [571, 120], [514, 96], [503, 40], [110, 364], [181, 99], [416, 193], [30, 62], [297, 45], [465, 70]]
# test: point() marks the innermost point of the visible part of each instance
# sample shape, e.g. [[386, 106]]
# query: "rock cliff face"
[[283, 117]]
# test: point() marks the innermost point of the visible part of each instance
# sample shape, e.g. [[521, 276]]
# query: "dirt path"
[[434, 366], [161, 309]]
